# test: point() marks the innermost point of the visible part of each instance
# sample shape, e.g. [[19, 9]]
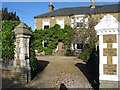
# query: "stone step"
[[59, 53]]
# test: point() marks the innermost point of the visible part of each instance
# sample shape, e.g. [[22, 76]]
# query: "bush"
[[7, 39], [68, 53], [48, 51], [84, 55]]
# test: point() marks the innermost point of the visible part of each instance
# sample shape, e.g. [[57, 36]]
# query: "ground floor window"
[[45, 43], [79, 46]]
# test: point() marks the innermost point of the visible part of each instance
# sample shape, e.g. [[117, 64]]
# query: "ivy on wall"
[[52, 36], [8, 39]]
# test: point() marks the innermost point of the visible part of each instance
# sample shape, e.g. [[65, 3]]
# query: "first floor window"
[[46, 26], [80, 24], [72, 17], [61, 23]]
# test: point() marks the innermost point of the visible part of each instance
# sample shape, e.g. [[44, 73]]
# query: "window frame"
[[47, 26]]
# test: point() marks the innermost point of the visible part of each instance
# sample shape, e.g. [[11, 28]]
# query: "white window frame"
[[76, 46], [80, 20], [45, 22], [58, 21], [43, 43], [72, 21]]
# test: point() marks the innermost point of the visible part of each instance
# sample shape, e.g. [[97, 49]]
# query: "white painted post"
[[108, 30]]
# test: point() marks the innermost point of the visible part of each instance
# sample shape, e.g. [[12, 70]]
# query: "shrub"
[[7, 39], [69, 52], [48, 51], [84, 55]]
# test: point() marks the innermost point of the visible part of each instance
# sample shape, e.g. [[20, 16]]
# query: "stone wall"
[[23, 76], [109, 84], [67, 19], [6, 74], [39, 21], [19, 69], [101, 15]]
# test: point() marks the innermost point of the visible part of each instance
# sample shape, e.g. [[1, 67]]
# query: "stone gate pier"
[[22, 70], [108, 30]]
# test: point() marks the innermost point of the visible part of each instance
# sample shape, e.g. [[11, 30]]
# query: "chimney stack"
[[93, 3], [51, 7]]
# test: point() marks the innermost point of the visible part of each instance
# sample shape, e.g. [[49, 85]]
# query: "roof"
[[22, 29], [110, 8]]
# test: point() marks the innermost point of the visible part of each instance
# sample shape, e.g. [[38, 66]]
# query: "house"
[[76, 17]]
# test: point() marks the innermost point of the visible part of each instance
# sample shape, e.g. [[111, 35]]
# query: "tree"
[[93, 38], [9, 15], [9, 22], [8, 39], [86, 34]]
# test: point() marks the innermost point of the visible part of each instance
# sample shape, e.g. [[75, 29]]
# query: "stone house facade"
[[76, 17]]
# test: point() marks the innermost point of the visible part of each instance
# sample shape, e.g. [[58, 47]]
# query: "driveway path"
[[60, 70]]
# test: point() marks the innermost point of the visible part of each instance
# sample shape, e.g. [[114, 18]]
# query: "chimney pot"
[[51, 7], [93, 3]]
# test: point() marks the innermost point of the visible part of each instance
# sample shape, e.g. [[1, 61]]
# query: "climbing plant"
[[32, 54], [52, 36], [32, 50], [7, 42], [8, 38]]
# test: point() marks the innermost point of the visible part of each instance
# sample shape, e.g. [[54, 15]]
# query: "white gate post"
[[108, 30]]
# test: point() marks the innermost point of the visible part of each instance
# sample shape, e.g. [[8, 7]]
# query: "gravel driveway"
[[61, 70]]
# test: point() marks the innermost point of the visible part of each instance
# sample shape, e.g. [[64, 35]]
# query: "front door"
[[60, 46]]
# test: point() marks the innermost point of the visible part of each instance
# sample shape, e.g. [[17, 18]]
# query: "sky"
[[27, 10]]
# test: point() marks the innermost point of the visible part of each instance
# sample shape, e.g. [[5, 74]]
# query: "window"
[[77, 24], [80, 24], [60, 22], [46, 26], [79, 46], [72, 17], [45, 43], [86, 25], [77, 17]]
